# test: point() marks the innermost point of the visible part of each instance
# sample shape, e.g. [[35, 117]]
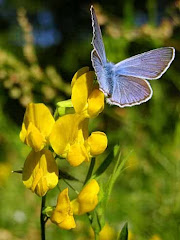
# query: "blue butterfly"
[[124, 83]]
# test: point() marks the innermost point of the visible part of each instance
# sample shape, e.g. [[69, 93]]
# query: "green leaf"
[[91, 167], [64, 104], [124, 233], [48, 211], [17, 171], [65, 175], [64, 107], [98, 220], [104, 165], [118, 168]]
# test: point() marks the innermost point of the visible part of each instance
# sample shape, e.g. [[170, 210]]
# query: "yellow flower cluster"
[[40, 171], [68, 136], [85, 202]]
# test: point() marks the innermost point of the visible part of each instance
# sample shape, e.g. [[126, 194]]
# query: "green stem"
[[56, 114], [42, 219], [89, 217], [91, 167], [96, 236]]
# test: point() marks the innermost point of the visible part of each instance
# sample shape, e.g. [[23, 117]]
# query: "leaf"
[[64, 107], [47, 211], [91, 167], [17, 171], [124, 232], [98, 220], [65, 175], [104, 165], [118, 168]]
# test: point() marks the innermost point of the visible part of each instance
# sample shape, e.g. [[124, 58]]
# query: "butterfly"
[[124, 83]]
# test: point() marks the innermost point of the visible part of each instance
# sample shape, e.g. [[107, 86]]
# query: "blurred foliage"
[[26, 80], [41, 47]]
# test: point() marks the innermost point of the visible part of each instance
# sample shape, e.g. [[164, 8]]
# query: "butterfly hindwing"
[[129, 91], [148, 65]]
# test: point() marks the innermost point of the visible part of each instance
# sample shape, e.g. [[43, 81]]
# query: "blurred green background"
[[42, 44]]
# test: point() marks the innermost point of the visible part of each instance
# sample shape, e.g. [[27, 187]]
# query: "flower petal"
[[87, 198], [68, 136], [81, 90], [75, 206], [97, 143], [80, 72], [68, 223], [63, 133], [23, 133], [63, 214], [40, 117], [107, 233], [95, 103], [34, 138], [40, 172], [77, 154]]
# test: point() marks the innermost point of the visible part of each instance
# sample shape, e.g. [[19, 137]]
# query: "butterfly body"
[[109, 76], [124, 84]]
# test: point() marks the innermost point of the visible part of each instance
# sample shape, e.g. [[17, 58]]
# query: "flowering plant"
[[66, 136]]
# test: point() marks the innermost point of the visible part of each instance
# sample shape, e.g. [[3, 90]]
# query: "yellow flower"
[[4, 172], [97, 143], [86, 99], [131, 236], [40, 172], [37, 126], [63, 214], [107, 233], [69, 139], [87, 199], [155, 237]]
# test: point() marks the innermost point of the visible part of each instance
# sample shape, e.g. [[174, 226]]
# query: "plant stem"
[[89, 217], [42, 219], [91, 167], [96, 236]]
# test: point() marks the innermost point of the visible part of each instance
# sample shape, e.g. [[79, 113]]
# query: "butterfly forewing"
[[96, 62], [97, 41], [148, 65], [129, 91]]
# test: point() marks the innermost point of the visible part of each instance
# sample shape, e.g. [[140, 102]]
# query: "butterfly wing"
[[98, 55], [124, 83], [97, 41], [129, 91], [148, 65], [100, 72]]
